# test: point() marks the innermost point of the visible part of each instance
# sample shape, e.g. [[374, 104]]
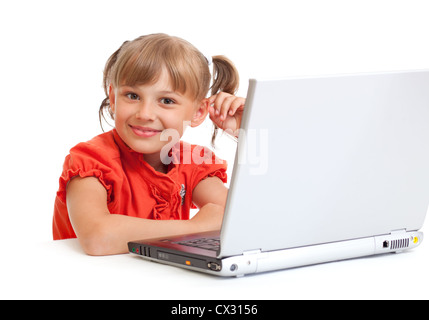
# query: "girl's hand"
[[226, 111], [209, 218]]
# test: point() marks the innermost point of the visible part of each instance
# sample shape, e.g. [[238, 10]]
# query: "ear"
[[201, 113], [112, 98]]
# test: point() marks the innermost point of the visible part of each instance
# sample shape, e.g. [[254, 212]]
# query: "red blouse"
[[133, 187]]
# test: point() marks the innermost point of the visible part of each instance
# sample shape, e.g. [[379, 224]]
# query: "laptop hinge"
[[398, 231], [245, 253]]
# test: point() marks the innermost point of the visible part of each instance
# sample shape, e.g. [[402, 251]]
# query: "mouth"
[[144, 132]]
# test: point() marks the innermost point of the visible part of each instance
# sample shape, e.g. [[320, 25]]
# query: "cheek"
[[118, 119], [121, 114], [176, 120]]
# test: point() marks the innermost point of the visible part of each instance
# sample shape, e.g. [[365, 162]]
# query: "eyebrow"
[[135, 88], [170, 92]]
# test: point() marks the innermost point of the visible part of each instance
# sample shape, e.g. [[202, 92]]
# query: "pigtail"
[[225, 76], [105, 104], [225, 79]]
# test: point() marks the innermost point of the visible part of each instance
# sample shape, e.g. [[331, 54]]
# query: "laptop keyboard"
[[203, 243]]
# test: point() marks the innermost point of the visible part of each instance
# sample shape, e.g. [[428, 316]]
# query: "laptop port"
[[386, 244], [214, 266]]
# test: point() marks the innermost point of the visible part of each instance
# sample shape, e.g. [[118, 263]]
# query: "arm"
[[210, 190], [102, 233], [210, 196]]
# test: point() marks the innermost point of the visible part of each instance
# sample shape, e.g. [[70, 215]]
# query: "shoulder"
[[98, 157], [199, 162], [101, 152], [102, 148], [104, 143], [196, 155]]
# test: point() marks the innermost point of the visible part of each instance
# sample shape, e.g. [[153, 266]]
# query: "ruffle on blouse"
[[69, 174], [159, 211], [219, 173]]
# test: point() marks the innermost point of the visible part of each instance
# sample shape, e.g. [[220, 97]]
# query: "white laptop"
[[327, 168]]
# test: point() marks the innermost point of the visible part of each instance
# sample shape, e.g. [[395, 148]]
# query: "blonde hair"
[[141, 61]]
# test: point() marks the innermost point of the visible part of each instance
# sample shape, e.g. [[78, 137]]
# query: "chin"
[[146, 147]]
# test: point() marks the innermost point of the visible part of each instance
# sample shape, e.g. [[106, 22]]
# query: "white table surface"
[[60, 270]]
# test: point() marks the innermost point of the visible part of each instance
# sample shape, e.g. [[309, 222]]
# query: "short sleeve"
[[87, 160], [207, 164]]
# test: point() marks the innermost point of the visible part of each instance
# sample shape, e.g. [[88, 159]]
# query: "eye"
[[167, 101], [133, 96]]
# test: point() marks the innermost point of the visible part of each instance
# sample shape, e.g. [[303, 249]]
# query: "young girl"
[[135, 182]]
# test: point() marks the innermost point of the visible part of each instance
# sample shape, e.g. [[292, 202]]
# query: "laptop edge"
[[165, 251]]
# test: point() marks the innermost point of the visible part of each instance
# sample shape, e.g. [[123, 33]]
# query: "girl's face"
[[143, 112]]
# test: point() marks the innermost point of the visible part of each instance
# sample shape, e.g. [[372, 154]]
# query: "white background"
[[53, 54]]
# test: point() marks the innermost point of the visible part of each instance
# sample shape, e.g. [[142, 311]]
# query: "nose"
[[146, 112]]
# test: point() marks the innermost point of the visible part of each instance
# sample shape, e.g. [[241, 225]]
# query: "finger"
[[212, 114], [216, 120], [226, 106], [218, 101], [235, 105], [212, 99], [211, 110]]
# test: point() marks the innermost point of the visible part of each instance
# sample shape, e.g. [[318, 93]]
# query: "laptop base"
[[255, 261]]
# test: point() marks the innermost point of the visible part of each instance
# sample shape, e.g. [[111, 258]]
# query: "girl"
[[134, 181]]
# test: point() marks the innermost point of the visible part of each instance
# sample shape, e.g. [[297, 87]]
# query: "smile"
[[144, 132]]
